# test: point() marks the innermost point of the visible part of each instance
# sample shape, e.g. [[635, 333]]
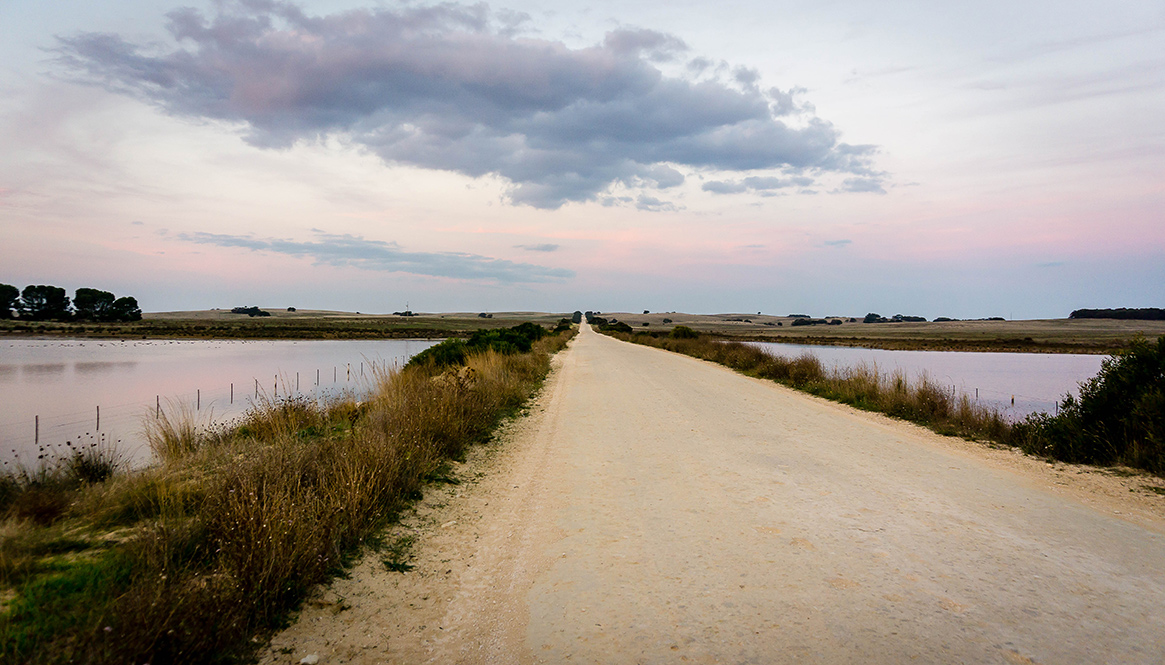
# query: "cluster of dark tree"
[[1139, 314], [605, 325], [480, 315], [40, 302], [1118, 418], [897, 318], [591, 316], [815, 322], [576, 317], [518, 339], [253, 311], [407, 312]]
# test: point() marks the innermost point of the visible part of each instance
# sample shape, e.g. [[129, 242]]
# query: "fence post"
[[98, 419], [36, 433], [232, 392]]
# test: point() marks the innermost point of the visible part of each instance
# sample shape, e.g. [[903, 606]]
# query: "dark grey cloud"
[[545, 247], [458, 88], [349, 250]]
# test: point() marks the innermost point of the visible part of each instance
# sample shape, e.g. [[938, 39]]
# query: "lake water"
[[1036, 381], [67, 385]]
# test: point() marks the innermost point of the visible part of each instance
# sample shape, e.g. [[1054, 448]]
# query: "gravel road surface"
[[654, 508]]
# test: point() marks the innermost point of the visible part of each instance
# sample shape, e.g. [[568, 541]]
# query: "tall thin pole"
[[198, 397], [99, 419], [232, 392], [157, 406], [36, 434]]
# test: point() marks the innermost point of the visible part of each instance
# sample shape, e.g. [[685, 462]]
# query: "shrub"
[[683, 332], [1118, 418]]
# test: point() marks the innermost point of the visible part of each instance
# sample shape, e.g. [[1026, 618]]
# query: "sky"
[[966, 159]]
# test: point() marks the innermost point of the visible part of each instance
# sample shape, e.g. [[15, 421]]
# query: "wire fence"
[[28, 440]]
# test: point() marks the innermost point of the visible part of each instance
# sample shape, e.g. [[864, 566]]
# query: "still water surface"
[[1036, 381], [66, 384]]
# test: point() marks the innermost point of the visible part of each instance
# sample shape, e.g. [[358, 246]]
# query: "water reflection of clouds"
[[43, 369], [101, 367]]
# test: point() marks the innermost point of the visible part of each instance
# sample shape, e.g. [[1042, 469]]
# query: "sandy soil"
[[654, 508]]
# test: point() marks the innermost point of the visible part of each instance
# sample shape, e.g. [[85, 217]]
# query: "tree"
[[41, 303], [126, 309], [8, 296], [93, 305]]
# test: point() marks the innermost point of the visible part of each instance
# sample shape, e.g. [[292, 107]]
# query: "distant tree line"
[[897, 318], [254, 311], [1140, 314], [41, 302]]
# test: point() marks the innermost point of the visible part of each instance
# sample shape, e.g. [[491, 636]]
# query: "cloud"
[[652, 204], [457, 88], [349, 250], [545, 247], [872, 184], [760, 184], [838, 243]]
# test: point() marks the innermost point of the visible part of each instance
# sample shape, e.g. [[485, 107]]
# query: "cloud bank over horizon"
[[460, 88], [356, 251]]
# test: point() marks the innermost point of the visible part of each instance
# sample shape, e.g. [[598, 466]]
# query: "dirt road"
[[654, 508]]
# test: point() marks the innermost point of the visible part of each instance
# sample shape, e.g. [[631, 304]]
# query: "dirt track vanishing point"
[[653, 508]]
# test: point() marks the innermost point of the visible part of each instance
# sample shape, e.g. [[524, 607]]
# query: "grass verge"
[[201, 557]]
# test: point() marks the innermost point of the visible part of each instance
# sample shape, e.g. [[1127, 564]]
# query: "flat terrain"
[[1036, 336], [282, 324], [654, 508]]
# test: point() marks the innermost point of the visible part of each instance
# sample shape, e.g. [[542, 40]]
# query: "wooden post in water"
[[317, 376], [157, 406], [198, 399], [333, 373], [349, 377], [256, 388], [232, 392], [361, 369], [98, 419], [297, 382], [36, 432]]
